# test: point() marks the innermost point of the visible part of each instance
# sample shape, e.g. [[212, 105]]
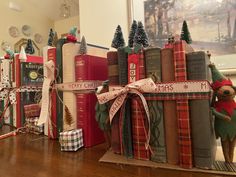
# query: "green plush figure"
[[102, 113], [224, 109]]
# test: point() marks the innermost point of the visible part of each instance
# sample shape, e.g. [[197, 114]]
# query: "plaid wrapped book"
[[71, 140], [139, 129], [184, 131], [32, 110], [32, 127]]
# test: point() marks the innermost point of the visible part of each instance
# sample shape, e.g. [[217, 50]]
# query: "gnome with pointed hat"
[[224, 109]]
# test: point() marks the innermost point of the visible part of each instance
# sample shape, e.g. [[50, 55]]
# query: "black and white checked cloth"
[[71, 140]]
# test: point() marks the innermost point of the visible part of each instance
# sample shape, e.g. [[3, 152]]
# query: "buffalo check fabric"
[[71, 140], [184, 131], [32, 127]]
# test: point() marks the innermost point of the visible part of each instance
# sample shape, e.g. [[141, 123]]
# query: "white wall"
[[99, 19], [27, 16], [64, 26]]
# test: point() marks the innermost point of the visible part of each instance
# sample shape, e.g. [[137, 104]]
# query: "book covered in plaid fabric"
[[204, 143], [180, 49], [71, 140], [32, 110], [32, 127], [139, 129]]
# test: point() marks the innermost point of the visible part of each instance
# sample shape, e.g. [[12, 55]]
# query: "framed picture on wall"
[[212, 23]]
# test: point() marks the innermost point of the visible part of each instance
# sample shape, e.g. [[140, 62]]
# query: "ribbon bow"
[[138, 87]]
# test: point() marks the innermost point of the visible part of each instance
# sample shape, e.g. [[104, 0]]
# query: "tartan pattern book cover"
[[71, 140], [139, 129], [184, 131]]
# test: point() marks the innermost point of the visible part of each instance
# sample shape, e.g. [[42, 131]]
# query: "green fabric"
[[224, 128], [127, 129], [102, 114], [157, 139]]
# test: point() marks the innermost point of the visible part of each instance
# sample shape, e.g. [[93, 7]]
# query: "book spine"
[[153, 63], [204, 145], [113, 72], [89, 68], [169, 109], [157, 141], [182, 107], [18, 84], [51, 55], [123, 66], [59, 79], [139, 129]]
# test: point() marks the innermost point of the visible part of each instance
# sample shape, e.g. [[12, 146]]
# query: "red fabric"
[[184, 130], [139, 129], [32, 110], [71, 38], [218, 84], [228, 106]]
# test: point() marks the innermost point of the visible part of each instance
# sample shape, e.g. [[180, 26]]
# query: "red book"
[[184, 131], [52, 56], [25, 75], [88, 67], [139, 129], [136, 70]]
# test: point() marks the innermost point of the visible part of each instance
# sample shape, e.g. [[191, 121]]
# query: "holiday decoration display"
[[50, 37], [71, 37], [224, 110], [140, 36]]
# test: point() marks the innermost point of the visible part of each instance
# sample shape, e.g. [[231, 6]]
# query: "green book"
[[204, 145]]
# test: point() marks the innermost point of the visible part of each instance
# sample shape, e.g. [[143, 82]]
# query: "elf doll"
[[224, 109]]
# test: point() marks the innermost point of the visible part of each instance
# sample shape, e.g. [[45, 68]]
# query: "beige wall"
[[99, 19], [64, 26], [28, 16]]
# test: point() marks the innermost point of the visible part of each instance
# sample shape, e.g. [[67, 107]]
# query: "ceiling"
[[51, 8]]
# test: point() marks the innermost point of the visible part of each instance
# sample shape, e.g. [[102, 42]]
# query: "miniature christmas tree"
[[83, 46], [68, 116], [132, 33], [29, 47], [118, 40], [140, 37], [55, 39], [185, 34], [50, 38]]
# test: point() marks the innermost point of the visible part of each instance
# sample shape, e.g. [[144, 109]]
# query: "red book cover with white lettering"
[[88, 67], [136, 70]]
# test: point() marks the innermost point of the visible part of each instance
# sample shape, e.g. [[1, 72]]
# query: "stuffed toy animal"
[[224, 109], [102, 113]]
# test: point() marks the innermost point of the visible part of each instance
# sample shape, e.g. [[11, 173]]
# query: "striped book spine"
[[169, 109], [123, 66], [182, 107]]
